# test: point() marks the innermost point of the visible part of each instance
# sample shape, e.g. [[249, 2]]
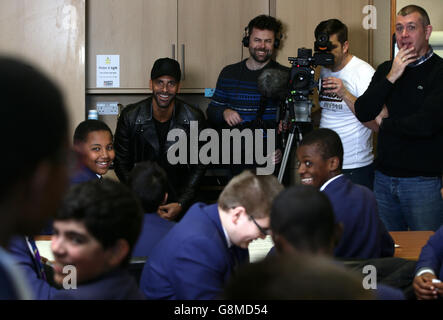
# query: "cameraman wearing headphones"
[[236, 99]]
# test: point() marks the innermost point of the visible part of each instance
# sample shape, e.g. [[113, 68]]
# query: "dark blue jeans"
[[409, 203], [363, 175]]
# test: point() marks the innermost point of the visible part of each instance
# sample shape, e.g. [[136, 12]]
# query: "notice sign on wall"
[[108, 71]]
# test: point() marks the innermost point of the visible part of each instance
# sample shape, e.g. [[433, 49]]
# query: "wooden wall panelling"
[[434, 8], [143, 30], [140, 31], [301, 17], [211, 31], [49, 34]]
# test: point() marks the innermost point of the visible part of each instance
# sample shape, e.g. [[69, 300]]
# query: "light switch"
[[107, 108]]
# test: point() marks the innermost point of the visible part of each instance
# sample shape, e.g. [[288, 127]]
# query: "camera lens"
[[323, 38], [301, 79]]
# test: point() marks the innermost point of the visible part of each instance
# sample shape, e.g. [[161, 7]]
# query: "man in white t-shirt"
[[342, 84]]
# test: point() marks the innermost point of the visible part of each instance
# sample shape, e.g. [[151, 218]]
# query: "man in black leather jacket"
[[141, 135]]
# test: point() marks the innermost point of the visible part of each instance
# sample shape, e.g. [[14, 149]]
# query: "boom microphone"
[[273, 83]]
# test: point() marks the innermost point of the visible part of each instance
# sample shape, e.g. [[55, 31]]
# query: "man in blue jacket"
[[429, 269], [303, 224], [320, 158], [34, 162], [198, 255]]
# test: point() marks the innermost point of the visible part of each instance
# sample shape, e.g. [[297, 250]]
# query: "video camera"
[[301, 80], [296, 109]]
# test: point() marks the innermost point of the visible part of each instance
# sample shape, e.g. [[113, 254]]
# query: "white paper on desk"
[[108, 71], [258, 249], [44, 248]]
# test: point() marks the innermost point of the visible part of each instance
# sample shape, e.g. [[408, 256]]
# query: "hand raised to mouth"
[[404, 57]]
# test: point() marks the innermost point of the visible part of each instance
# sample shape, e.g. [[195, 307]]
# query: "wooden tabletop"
[[409, 243], [43, 238]]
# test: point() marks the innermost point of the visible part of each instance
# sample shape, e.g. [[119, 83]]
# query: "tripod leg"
[[285, 157]]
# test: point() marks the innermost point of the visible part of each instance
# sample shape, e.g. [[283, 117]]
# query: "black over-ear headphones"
[[245, 40]]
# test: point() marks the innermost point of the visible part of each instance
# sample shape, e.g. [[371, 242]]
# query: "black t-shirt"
[[162, 129]]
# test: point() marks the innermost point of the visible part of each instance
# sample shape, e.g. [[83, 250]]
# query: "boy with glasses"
[[196, 258]]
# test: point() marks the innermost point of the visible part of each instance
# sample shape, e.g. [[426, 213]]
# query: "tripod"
[[301, 111]]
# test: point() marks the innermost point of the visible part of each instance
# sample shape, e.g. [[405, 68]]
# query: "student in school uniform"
[[93, 143], [429, 269], [303, 224], [94, 234], [149, 183], [197, 256], [320, 159], [34, 128], [27, 258]]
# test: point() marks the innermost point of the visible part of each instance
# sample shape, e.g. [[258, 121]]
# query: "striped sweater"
[[237, 90]]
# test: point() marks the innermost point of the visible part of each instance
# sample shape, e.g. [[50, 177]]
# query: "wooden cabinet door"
[[209, 36], [49, 34], [300, 17], [140, 31]]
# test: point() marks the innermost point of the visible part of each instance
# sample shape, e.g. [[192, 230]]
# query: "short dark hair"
[[107, 208], [304, 216], [33, 121], [265, 22], [328, 142], [413, 8], [149, 183], [290, 277], [333, 26], [88, 126]]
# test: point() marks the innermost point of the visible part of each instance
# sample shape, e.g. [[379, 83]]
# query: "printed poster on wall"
[[108, 71]]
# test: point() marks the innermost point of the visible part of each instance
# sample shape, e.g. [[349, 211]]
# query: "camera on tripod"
[[297, 106], [301, 80]]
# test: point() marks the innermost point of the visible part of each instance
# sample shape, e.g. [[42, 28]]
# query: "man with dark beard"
[[236, 100], [142, 131]]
